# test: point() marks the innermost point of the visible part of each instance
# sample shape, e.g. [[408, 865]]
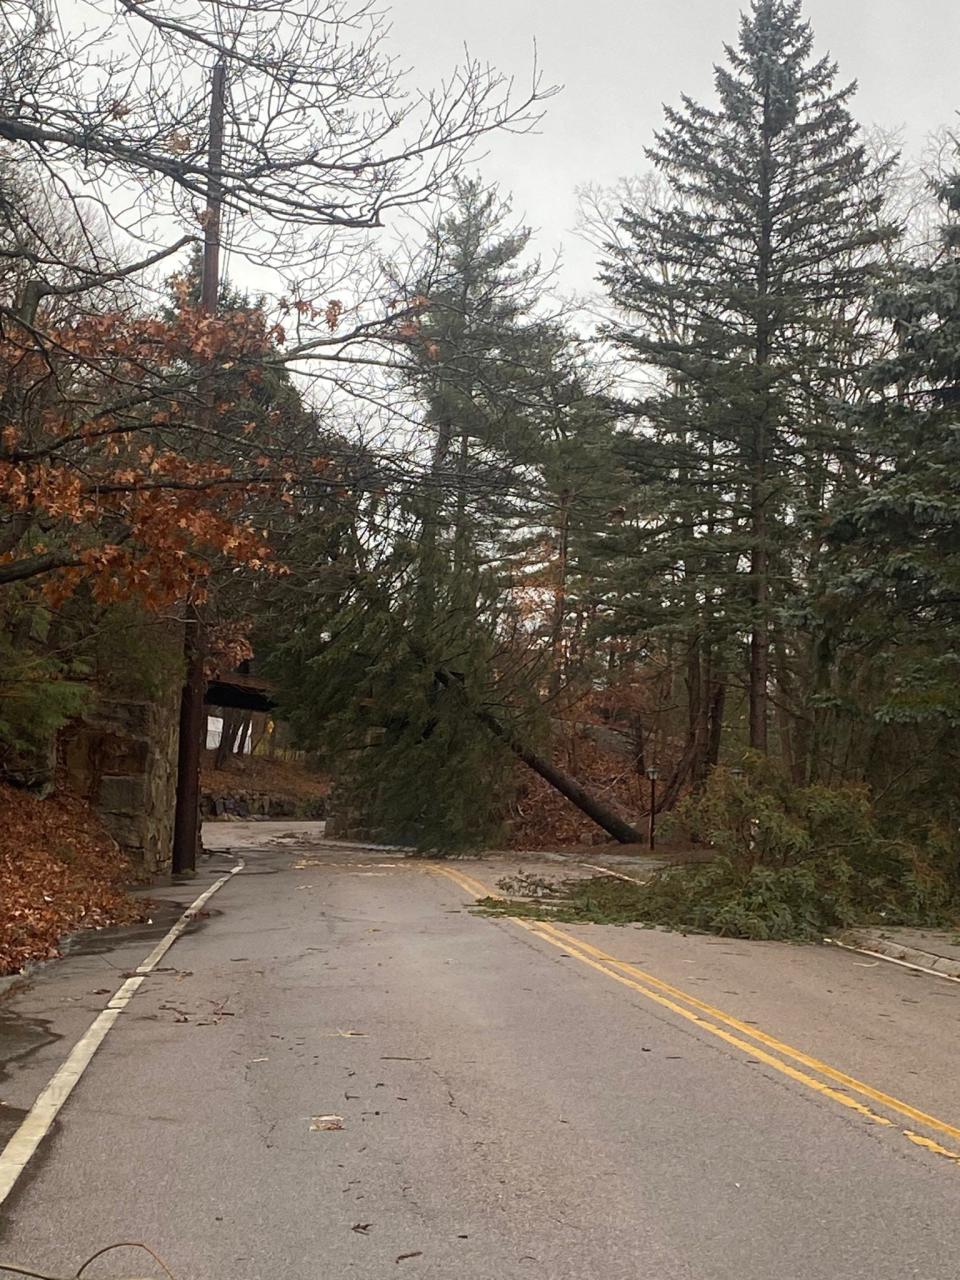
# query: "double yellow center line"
[[757, 1044]]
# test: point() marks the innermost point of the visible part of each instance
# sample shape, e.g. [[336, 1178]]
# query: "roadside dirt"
[[282, 779]]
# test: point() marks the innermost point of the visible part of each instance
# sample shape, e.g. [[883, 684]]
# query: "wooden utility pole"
[[193, 719], [210, 288]]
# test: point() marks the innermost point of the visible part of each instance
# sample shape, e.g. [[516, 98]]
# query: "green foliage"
[[410, 642], [37, 698], [758, 816], [741, 275], [897, 540], [792, 863], [54, 665], [390, 689], [133, 654], [889, 616]]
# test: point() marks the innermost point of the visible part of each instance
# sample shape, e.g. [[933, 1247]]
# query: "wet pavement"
[[343, 1070], [43, 1013]]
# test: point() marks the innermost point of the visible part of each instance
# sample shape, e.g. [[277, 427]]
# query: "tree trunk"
[[242, 734], [698, 709], [602, 814], [718, 699], [228, 733], [701, 762], [460, 526], [560, 597], [760, 633], [260, 722], [638, 734], [668, 797], [787, 721], [759, 676], [191, 741]]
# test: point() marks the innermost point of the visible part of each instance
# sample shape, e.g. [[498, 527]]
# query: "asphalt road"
[[514, 1102]]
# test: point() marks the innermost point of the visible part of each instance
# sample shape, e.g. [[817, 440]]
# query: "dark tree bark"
[[228, 735]]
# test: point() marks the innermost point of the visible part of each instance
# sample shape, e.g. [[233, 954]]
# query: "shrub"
[[36, 699], [791, 863]]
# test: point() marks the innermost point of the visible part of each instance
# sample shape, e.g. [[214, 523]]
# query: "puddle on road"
[[10, 1121], [95, 942], [21, 1036], [163, 915]]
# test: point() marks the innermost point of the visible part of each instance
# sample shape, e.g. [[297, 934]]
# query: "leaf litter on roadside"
[[59, 871]]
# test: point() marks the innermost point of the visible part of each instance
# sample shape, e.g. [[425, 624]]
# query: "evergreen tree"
[[390, 688], [549, 562], [428, 599], [482, 368], [740, 294], [893, 621]]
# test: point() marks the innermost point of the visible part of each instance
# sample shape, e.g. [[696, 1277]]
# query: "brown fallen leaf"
[[59, 871], [325, 1123]]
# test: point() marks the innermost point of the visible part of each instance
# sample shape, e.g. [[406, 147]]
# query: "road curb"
[[911, 957]]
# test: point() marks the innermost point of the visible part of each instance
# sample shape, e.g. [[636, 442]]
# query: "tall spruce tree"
[[549, 558], [893, 622], [481, 367], [737, 294]]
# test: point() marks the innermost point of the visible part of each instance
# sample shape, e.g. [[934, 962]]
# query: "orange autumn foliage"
[[123, 454]]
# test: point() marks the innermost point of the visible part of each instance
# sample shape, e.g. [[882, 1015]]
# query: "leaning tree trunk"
[[602, 814]]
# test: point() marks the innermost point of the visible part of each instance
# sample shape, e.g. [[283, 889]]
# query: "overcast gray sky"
[[620, 60]]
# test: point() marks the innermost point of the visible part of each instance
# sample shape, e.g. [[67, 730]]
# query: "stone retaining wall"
[[122, 758], [256, 804]]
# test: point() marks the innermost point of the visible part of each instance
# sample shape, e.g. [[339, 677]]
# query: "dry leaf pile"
[[59, 871], [282, 779]]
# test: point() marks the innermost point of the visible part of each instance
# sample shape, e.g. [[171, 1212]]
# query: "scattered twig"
[[16, 1269], [126, 1244]]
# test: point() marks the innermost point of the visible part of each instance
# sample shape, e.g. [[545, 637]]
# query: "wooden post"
[[652, 775], [193, 723]]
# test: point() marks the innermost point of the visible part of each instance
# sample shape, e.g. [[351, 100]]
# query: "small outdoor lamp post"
[[653, 775]]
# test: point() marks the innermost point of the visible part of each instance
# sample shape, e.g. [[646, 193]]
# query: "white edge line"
[[904, 964], [609, 871], [37, 1124]]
